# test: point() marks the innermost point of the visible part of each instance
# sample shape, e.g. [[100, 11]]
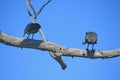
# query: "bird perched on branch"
[[31, 28], [90, 38]]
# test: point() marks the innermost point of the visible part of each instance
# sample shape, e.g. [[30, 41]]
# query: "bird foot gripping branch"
[[34, 27], [31, 28], [90, 38]]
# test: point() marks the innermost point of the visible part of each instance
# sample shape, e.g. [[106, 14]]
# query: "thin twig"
[[32, 8], [28, 10], [39, 11]]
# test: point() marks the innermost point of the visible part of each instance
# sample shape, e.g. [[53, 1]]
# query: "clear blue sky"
[[64, 22]]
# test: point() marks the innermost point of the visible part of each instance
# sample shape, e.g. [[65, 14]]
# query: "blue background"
[[64, 22]]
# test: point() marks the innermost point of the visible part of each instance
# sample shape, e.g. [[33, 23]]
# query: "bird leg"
[[87, 46], [32, 35], [28, 36], [92, 47], [24, 34]]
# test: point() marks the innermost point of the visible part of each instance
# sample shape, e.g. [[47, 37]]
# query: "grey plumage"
[[31, 28], [90, 38]]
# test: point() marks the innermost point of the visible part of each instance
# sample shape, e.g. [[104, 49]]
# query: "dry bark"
[[55, 50]]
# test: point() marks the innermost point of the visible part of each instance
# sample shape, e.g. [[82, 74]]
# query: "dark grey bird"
[[31, 28], [90, 38]]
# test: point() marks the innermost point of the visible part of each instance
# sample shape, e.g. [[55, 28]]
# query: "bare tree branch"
[[21, 42], [28, 10], [33, 19], [57, 58], [32, 7], [39, 11], [55, 49], [42, 35], [52, 54]]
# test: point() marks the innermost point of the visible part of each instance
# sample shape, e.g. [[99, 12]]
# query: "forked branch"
[[28, 9], [33, 19], [39, 11], [32, 7], [36, 13]]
